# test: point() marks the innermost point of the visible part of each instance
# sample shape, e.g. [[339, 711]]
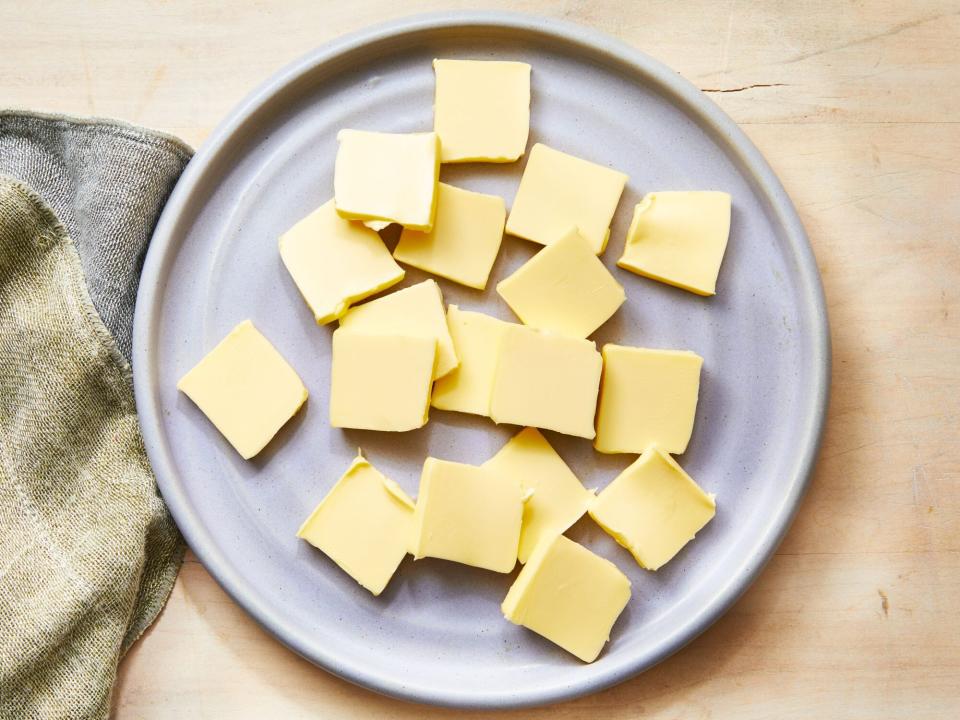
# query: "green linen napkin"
[[88, 552]]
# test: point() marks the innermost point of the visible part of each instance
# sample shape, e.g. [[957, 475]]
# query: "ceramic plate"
[[436, 635]]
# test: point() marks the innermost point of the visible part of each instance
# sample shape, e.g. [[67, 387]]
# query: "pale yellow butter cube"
[[335, 262], [415, 310], [653, 508], [547, 381], [476, 339], [380, 381], [569, 595], [389, 177], [464, 241], [557, 499], [246, 389], [647, 397], [564, 288], [467, 514], [560, 191], [364, 524], [481, 110], [679, 238]]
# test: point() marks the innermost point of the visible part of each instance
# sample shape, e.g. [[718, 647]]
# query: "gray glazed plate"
[[436, 635]]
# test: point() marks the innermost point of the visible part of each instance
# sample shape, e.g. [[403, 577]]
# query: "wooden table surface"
[[857, 107]]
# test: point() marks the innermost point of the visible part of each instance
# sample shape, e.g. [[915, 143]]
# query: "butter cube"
[[415, 310], [335, 262], [564, 288], [653, 508], [560, 191], [245, 388], [647, 397], [391, 177], [467, 514], [464, 241], [481, 110], [558, 499], [546, 381], [679, 238], [569, 595], [364, 524], [476, 339], [380, 382]]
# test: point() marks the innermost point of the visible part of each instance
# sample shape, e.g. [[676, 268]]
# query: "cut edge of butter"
[[391, 486], [501, 409], [564, 288], [539, 215], [343, 306], [378, 225], [645, 204], [392, 490], [358, 461], [607, 439], [184, 382], [476, 337], [639, 211], [459, 251], [384, 220], [554, 497], [340, 382], [619, 535], [322, 239], [358, 318], [501, 155], [451, 545], [516, 606]]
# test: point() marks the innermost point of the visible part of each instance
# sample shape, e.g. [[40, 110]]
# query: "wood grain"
[[857, 107]]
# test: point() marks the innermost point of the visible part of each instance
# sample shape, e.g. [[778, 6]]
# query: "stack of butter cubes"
[[396, 356]]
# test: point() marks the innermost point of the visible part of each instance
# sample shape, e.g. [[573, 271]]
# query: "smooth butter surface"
[[563, 288], [468, 514], [364, 524], [653, 508], [336, 262], [546, 380], [560, 191], [568, 595], [647, 397], [246, 389], [389, 177], [557, 499], [476, 340], [481, 110], [679, 238], [416, 310], [380, 381], [464, 241]]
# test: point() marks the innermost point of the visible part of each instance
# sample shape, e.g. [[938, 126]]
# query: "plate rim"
[[692, 101]]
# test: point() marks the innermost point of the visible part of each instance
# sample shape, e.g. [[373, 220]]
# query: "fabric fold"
[[107, 182], [88, 551]]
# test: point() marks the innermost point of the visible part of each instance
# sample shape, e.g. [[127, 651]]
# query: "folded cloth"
[[88, 551], [107, 183]]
